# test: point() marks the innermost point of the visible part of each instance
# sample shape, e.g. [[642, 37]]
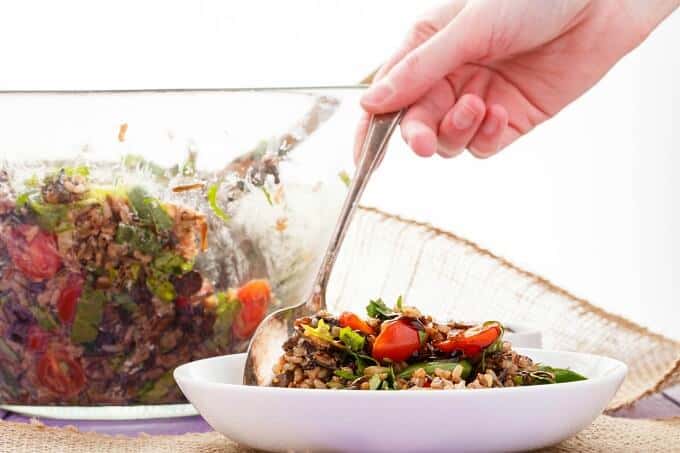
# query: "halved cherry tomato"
[[61, 373], [36, 340], [397, 341], [68, 298], [472, 341], [38, 258], [254, 297], [348, 319]]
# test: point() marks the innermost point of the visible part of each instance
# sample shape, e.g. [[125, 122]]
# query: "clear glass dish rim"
[[207, 90]]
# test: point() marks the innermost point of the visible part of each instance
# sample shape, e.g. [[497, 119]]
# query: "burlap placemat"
[[450, 277], [607, 434]]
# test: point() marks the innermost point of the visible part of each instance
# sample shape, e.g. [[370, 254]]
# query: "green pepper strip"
[[563, 375], [429, 367]]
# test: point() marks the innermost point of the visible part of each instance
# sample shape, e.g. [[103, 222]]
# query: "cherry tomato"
[[254, 297], [348, 319], [60, 373], [36, 340], [37, 259], [472, 341], [397, 341], [68, 298]]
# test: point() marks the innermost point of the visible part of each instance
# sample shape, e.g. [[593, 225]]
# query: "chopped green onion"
[[321, 331], [352, 340], [212, 201]]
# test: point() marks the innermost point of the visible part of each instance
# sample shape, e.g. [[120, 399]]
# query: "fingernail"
[[463, 118], [377, 94], [490, 126]]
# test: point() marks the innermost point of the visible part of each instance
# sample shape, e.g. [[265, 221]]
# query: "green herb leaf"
[[50, 217], [321, 331], [345, 374], [378, 309], [212, 201], [170, 263], [138, 238], [352, 340], [149, 209], [89, 315], [400, 303]]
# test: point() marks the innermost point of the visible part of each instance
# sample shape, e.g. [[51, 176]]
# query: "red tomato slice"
[[37, 259], [68, 298], [254, 297], [397, 341], [348, 319], [472, 341], [36, 339], [60, 373]]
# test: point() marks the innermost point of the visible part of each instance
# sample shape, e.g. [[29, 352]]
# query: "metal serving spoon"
[[275, 329]]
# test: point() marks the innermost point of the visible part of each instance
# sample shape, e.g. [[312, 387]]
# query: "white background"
[[590, 200]]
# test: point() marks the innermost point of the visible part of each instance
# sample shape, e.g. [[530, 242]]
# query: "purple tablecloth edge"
[[180, 425]]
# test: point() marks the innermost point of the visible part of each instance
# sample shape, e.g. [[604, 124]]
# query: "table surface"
[[663, 405]]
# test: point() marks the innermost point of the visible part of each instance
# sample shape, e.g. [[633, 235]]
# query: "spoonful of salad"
[[264, 349]]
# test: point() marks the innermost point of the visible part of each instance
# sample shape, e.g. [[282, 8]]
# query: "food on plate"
[[400, 349], [100, 298]]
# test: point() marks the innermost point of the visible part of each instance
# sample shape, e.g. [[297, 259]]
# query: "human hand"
[[479, 74]]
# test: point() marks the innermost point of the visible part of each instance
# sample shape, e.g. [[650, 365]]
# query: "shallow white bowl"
[[507, 419]]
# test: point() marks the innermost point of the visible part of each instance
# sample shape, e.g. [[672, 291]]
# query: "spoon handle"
[[380, 130]]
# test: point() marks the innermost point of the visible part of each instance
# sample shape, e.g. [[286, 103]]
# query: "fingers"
[[421, 122], [491, 133], [421, 68], [460, 125]]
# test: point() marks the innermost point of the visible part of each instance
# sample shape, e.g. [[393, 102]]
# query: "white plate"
[[507, 419], [140, 412]]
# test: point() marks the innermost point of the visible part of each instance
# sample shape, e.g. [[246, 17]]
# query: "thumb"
[[417, 72]]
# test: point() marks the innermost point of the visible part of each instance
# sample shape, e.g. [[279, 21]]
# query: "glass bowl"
[[140, 230]]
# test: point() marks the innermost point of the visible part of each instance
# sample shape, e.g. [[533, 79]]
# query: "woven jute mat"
[[450, 277], [607, 434]]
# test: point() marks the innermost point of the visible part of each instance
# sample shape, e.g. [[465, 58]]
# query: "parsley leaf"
[[378, 309]]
